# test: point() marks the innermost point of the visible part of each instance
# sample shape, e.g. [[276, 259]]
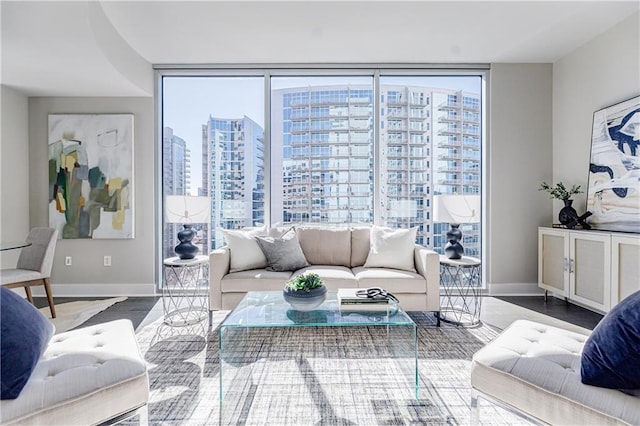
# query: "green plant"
[[305, 282], [560, 191]]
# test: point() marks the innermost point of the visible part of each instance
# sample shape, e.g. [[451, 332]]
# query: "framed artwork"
[[91, 175], [613, 195]]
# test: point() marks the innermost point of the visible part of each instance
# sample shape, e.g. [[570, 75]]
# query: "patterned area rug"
[[313, 376]]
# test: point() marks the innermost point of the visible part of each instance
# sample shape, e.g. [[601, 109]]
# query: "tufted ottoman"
[[535, 369], [86, 376]]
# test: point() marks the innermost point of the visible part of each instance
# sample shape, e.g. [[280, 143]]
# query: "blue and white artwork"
[[613, 195]]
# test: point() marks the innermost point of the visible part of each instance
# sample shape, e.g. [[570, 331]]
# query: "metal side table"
[[185, 290], [461, 281]]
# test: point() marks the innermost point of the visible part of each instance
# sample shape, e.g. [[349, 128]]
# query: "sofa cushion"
[[283, 253], [392, 248], [254, 280], [244, 250], [25, 334], [393, 280], [614, 346], [360, 245], [334, 277], [326, 246]]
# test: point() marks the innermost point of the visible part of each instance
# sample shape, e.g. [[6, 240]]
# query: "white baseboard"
[[99, 290], [514, 289], [122, 289]]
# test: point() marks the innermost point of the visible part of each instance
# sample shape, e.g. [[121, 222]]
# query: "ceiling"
[[108, 48]]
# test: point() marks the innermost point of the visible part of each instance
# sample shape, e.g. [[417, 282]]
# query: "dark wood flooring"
[[137, 308], [557, 308]]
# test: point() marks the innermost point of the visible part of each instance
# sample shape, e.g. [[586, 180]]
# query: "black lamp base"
[[453, 249], [186, 250]]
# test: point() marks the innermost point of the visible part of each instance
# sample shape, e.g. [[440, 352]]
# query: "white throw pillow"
[[245, 253], [392, 248]]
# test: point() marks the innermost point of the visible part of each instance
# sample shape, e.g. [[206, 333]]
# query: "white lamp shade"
[[456, 208], [187, 209]]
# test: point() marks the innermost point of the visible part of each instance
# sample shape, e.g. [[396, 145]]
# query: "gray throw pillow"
[[283, 253]]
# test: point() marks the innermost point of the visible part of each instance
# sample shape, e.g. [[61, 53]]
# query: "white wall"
[[14, 172], [133, 269], [604, 71], [519, 158]]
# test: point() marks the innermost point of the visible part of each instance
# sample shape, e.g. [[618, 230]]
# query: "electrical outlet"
[[107, 261], [67, 261]]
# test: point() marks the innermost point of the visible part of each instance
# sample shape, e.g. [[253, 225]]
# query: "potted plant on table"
[[305, 292], [559, 191]]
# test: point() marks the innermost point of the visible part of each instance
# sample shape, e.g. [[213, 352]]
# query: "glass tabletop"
[[269, 309]]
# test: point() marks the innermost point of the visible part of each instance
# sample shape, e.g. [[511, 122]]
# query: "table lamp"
[[187, 210], [455, 209]]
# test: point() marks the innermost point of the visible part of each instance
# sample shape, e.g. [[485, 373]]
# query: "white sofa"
[[86, 376], [338, 256], [534, 369]]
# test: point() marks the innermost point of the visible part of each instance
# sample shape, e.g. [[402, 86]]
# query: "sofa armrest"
[[428, 265], [218, 268]]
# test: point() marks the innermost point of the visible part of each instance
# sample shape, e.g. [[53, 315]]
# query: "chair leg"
[[47, 289], [29, 296]]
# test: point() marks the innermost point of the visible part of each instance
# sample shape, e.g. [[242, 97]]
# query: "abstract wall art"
[[613, 195], [91, 175]]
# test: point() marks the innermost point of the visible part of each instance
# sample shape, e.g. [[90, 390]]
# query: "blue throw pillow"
[[611, 355], [25, 333]]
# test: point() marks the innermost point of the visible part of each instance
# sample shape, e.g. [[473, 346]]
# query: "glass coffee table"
[[393, 333]]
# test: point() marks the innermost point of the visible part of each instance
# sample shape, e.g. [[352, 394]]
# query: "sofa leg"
[[437, 318], [475, 409]]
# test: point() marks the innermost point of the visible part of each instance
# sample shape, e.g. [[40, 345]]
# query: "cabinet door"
[[590, 269], [553, 258], [625, 267]]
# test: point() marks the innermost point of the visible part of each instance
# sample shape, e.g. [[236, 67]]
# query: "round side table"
[[185, 290], [461, 281]]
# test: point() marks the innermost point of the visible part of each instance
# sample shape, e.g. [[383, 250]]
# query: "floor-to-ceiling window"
[[293, 146]]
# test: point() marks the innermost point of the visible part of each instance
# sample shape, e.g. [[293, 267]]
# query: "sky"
[[189, 101]]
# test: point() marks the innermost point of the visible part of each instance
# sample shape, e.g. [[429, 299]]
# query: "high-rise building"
[[233, 152], [457, 142], [322, 141], [322, 155], [176, 167]]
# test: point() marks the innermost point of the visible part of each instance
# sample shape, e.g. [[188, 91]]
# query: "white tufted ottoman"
[[86, 376], [535, 369]]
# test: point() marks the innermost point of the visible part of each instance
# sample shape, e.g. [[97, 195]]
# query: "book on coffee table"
[[349, 301]]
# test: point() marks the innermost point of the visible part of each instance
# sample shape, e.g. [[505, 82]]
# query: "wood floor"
[[137, 308]]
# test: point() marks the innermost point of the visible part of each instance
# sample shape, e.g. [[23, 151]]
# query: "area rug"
[[312, 376], [72, 314]]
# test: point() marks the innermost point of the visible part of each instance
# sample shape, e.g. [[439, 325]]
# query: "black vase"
[[567, 213], [453, 249], [186, 250]]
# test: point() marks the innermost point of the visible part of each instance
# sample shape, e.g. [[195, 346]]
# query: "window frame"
[[266, 71]]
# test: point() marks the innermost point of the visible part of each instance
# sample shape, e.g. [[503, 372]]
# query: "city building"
[[322, 139], [176, 167], [233, 152]]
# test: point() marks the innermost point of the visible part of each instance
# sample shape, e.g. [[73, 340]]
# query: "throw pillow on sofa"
[[245, 253], [283, 253], [392, 248], [24, 335], [611, 354]]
